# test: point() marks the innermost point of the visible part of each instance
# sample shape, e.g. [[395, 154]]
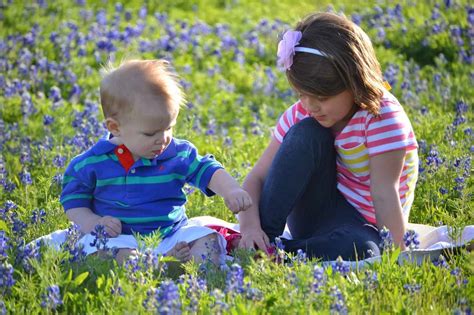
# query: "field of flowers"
[[51, 54]]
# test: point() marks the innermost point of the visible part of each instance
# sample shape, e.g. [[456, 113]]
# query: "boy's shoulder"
[[99, 148], [183, 144]]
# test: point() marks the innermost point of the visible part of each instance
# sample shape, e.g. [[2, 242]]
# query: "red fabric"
[[230, 236], [125, 158]]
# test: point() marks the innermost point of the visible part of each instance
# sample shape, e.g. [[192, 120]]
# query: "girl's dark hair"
[[352, 64]]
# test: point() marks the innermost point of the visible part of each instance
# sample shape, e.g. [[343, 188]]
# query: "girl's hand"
[[112, 225], [254, 239], [237, 200]]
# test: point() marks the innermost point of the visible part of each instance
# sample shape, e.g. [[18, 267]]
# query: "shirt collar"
[[104, 146]]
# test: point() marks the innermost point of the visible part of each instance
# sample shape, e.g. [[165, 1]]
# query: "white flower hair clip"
[[287, 48]]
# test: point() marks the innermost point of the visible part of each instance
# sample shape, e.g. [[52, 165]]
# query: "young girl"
[[342, 161]]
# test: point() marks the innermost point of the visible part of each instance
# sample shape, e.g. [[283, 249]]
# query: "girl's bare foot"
[[180, 251]]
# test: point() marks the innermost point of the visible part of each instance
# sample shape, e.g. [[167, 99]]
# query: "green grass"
[[233, 100]]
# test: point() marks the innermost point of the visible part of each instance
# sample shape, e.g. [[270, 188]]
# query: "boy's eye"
[[148, 134]]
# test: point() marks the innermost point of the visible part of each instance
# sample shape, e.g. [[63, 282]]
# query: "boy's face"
[[148, 128]]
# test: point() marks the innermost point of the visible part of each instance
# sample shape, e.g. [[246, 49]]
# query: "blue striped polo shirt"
[[147, 197]]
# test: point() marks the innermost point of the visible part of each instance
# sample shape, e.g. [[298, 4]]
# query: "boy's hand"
[[237, 200], [112, 225]]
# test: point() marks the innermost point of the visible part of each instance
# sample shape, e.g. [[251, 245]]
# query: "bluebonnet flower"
[[58, 179], [4, 245], [319, 279], [338, 305], [371, 279], [6, 277], [165, 299], [38, 216], [386, 243], [117, 289], [150, 260], [27, 253], [52, 298], [3, 309], [443, 190], [218, 306], [132, 267], [410, 238], [59, 161], [19, 226], [441, 262], [48, 120], [101, 237], [25, 177], [235, 280], [412, 288], [301, 257], [55, 94], [194, 290], [76, 250], [340, 266]]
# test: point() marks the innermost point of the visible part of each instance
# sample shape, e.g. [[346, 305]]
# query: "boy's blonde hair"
[[352, 64], [122, 87]]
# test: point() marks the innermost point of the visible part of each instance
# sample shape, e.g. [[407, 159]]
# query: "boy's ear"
[[113, 126]]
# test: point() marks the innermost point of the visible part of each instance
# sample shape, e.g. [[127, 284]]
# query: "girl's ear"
[[113, 126]]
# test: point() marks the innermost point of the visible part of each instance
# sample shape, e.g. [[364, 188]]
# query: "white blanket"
[[433, 240]]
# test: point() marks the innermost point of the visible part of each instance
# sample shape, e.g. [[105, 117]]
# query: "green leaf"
[[80, 278], [69, 275], [3, 226], [100, 282]]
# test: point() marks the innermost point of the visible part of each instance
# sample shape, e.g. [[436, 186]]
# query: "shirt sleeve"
[[201, 169], [389, 131], [77, 190], [288, 119]]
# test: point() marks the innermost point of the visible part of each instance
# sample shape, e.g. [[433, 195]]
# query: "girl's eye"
[[149, 134], [322, 98]]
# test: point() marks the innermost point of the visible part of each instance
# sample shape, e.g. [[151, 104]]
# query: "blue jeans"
[[300, 190]]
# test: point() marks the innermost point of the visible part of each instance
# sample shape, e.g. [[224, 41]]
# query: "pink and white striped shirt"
[[364, 136]]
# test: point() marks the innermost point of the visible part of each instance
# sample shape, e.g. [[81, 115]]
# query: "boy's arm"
[[235, 198], [385, 172], [87, 221]]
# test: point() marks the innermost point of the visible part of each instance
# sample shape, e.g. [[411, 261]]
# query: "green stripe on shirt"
[[90, 160]]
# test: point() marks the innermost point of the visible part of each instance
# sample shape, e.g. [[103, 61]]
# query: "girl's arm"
[[385, 172], [252, 233]]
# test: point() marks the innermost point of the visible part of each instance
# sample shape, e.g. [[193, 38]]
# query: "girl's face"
[[330, 111]]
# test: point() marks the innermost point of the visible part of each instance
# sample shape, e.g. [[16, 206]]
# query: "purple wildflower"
[[370, 280], [195, 288], [6, 277], [101, 237], [235, 280], [166, 298], [27, 253], [341, 267], [410, 238], [52, 298], [218, 306], [338, 305], [76, 250], [59, 161], [441, 262], [4, 245], [48, 120], [386, 243], [319, 279], [38, 216], [412, 288], [25, 177]]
